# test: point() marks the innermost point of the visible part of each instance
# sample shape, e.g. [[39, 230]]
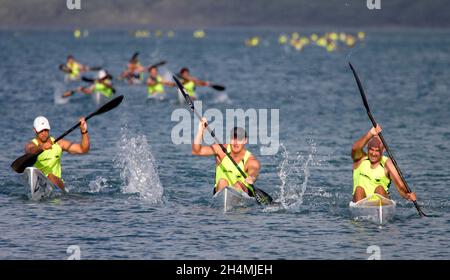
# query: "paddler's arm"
[[253, 167], [77, 148], [197, 82], [31, 148], [86, 90], [197, 148], [169, 84], [393, 174], [358, 146], [200, 82]]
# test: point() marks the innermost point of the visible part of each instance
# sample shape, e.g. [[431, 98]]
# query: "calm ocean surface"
[[136, 195]]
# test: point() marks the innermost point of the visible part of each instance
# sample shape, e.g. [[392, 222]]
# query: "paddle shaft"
[[374, 123]]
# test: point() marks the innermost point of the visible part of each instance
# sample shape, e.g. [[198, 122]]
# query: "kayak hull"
[[38, 186], [157, 97], [229, 198], [375, 208], [99, 98]]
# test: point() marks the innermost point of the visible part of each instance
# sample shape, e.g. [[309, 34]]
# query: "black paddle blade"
[[107, 106], [95, 68], [218, 87], [161, 63], [262, 197], [186, 96], [134, 57], [360, 87], [87, 80], [23, 162]]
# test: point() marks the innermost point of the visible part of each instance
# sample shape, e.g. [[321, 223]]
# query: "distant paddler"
[[49, 161], [189, 82], [156, 83], [134, 70], [103, 85], [226, 172], [73, 68], [373, 172]]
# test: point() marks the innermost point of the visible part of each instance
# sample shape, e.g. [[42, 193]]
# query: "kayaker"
[[226, 172], [373, 172], [74, 68], [134, 70], [155, 83], [189, 82], [49, 161], [103, 85]]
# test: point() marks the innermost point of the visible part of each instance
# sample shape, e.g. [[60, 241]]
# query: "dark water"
[[137, 195]]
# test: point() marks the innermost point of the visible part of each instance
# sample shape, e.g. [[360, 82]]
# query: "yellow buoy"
[[252, 42], [350, 41], [333, 36], [322, 42], [304, 40], [199, 34], [77, 33], [170, 34], [282, 39], [361, 35], [331, 46]]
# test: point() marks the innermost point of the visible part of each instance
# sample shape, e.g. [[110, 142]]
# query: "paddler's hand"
[[250, 180], [375, 130], [411, 196], [45, 146], [83, 125], [202, 124]]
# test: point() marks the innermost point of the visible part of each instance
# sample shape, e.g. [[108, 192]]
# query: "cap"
[[102, 74], [40, 123], [238, 133]]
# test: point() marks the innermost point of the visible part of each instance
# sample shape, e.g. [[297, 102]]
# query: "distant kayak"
[[38, 186], [375, 208], [229, 198], [157, 97]]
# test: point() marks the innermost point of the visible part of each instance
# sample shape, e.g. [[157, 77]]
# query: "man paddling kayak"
[[134, 70], [155, 83], [189, 82], [102, 85], [373, 172], [226, 172], [49, 161]]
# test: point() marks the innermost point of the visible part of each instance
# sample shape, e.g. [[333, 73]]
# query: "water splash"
[[221, 98], [58, 89], [98, 185], [138, 168], [291, 173]]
